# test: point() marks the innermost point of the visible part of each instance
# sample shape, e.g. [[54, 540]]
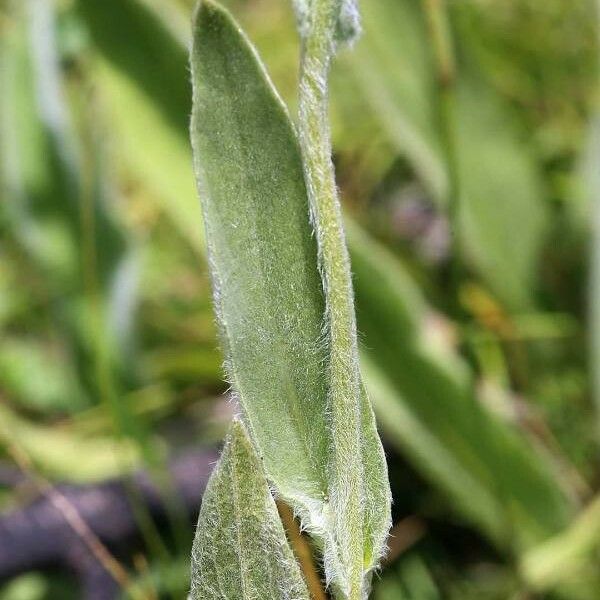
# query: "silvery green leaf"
[[262, 256], [240, 549], [315, 432], [359, 493]]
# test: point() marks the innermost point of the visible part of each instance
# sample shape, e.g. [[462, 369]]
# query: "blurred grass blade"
[[156, 62], [55, 388], [412, 581], [50, 98], [501, 191], [28, 173], [240, 549], [70, 456], [427, 407], [392, 63], [147, 89], [63, 200], [591, 175], [567, 562]]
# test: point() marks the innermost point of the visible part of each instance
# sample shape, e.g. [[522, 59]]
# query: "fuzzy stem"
[[343, 373]]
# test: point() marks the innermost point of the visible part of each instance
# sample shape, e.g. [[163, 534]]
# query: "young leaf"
[[240, 549], [301, 395], [345, 26], [356, 456]]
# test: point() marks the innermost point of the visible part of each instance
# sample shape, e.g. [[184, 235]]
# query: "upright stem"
[[343, 373], [302, 550], [436, 14]]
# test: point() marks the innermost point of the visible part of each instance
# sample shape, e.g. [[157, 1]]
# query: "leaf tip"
[[208, 14]]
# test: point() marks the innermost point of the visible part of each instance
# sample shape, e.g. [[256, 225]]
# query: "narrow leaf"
[[240, 549], [357, 474], [263, 259]]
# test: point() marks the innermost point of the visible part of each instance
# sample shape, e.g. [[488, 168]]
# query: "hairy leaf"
[[346, 24], [359, 491], [316, 434], [263, 259], [240, 549]]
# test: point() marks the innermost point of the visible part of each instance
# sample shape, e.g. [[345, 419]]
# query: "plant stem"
[[343, 373], [302, 550]]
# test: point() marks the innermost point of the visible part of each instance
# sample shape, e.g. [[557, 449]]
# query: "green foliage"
[[357, 486], [483, 387], [147, 89], [240, 549], [497, 182], [263, 261], [300, 394], [426, 402], [414, 582]]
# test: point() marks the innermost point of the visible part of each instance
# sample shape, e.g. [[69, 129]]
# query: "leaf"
[[270, 304], [55, 386], [501, 193], [567, 561], [412, 581], [30, 173], [392, 65], [240, 550], [587, 215], [72, 456], [263, 259], [164, 165], [359, 492], [60, 212]]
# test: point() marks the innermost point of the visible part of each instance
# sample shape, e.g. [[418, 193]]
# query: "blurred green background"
[[470, 175]]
